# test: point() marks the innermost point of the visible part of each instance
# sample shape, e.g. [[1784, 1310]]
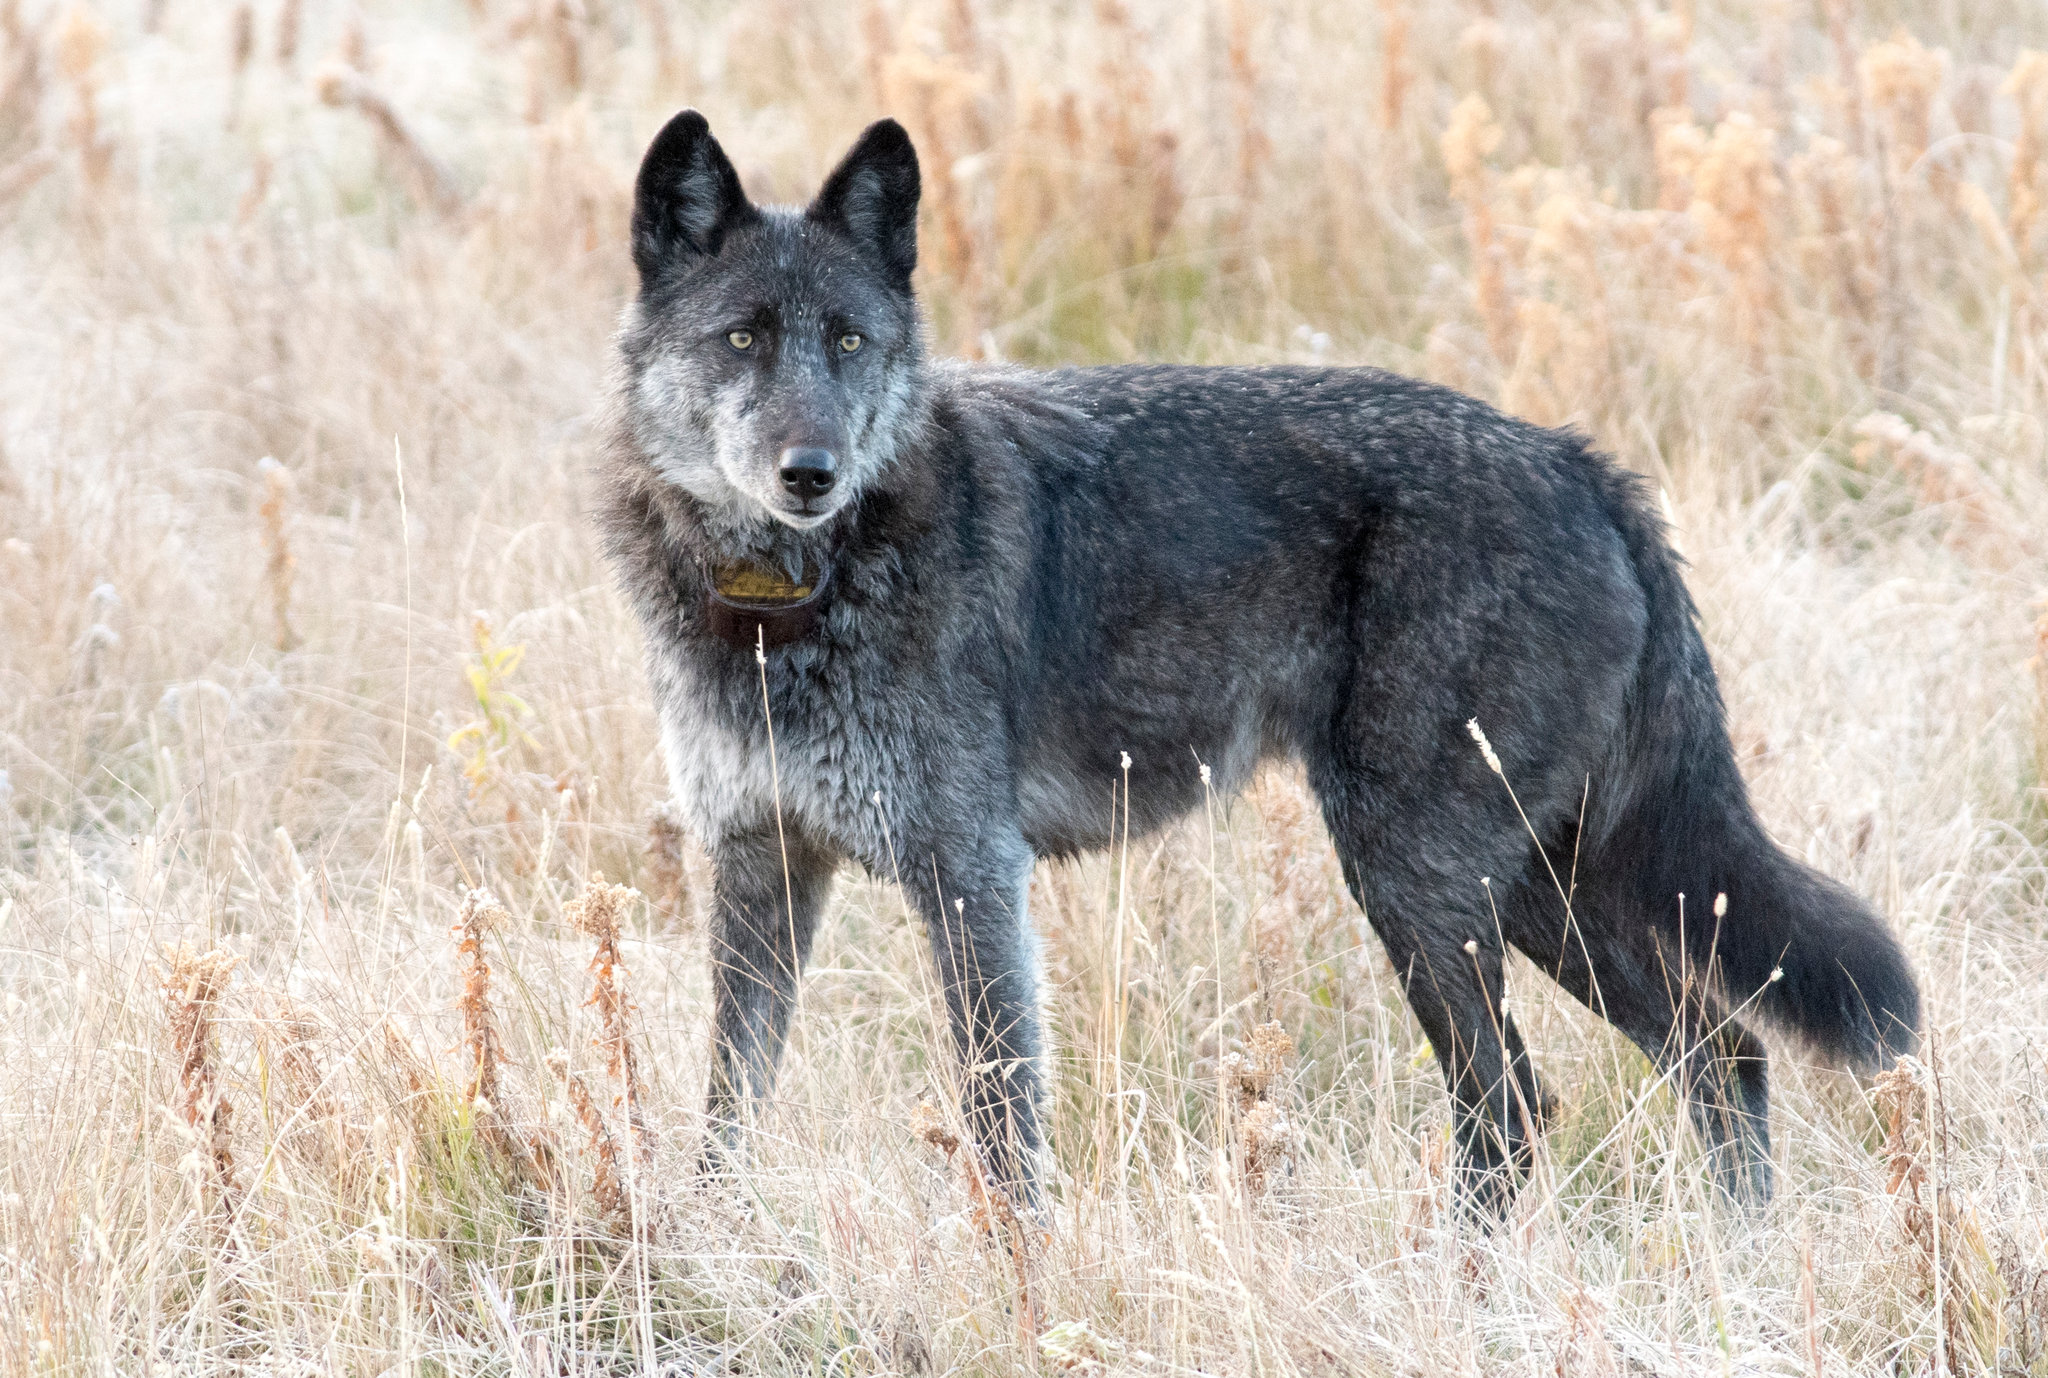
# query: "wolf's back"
[[1793, 944]]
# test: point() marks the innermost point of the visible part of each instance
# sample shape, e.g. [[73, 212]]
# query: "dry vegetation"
[[303, 642]]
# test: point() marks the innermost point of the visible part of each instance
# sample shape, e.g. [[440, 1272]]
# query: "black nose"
[[807, 473]]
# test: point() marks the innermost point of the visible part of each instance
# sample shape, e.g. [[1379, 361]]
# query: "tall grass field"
[[353, 973]]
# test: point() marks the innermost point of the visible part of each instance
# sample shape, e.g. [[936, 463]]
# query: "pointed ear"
[[687, 197], [872, 198]]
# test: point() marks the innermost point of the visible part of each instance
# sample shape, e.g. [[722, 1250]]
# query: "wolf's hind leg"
[[972, 901], [764, 914], [1722, 1071], [1717, 1066], [1406, 861], [1498, 1103]]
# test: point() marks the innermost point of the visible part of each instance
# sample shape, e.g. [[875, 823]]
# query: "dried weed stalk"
[[1468, 141], [1946, 478], [482, 1045], [1726, 183], [291, 1032], [1432, 1184], [989, 1208], [241, 49], [608, 1185], [81, 41], [928, 1126], [1254, 145], [941, 98], [22, 89], [1395, 75], [290, 20], [2027, 180], [1586, 1352], [1829, 183], [1900, 80], [193, 984], [666, 863], [596, 914], [1265, 1135], [1249, 1075], [552, 36], [21, 82], [1951, 1261], [341, 85], [2038, 664], [280, 569], [403, 1058]]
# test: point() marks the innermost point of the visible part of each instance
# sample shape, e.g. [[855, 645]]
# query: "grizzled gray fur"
[[1031, 574]]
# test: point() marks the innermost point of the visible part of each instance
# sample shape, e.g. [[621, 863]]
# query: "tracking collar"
[[752, 605]]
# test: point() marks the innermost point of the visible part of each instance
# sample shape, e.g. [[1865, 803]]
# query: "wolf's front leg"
[[972, 899], [767, 891]]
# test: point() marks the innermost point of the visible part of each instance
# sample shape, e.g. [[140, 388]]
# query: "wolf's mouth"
[[805, 516]]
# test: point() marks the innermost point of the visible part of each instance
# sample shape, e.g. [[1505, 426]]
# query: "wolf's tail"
[[1790, 943]]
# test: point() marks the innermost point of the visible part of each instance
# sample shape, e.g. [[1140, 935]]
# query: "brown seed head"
[[927, 1124]]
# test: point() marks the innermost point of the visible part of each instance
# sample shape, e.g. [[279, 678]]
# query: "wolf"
[[920, 615]]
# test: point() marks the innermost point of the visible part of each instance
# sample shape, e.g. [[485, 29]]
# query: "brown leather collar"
[[752, 607]]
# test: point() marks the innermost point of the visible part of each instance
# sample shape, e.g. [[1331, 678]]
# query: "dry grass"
[[281, 717]]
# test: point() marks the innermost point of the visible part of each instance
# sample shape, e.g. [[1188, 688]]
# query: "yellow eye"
[[741, 339], [849, 342]]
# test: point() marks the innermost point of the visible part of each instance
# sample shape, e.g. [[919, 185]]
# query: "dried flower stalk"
[[405, 1059], [341, 85], [192, 984], [1900, 79], [1468, 141], [1268, 1141], [290, 17], [1395, 75], [81, 41], [291, 1031], [665, 842], [280, 569], [1265, 1135], [608, 1186], [1940, 1232], [482, 1045], [989, 1208], [596, 914], [2027, 181]]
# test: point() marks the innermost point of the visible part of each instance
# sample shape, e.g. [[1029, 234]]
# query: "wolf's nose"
[[807, 473]]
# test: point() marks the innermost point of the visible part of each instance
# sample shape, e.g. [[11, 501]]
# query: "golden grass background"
[[302, 635]]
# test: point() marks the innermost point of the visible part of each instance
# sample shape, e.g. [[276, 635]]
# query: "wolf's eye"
[[740, 339], [849, 342]]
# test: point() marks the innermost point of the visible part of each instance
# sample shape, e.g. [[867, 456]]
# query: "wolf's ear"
[[872, 197], [687, 197]]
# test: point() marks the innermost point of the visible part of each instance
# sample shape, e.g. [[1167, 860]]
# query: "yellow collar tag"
[[753, 584]]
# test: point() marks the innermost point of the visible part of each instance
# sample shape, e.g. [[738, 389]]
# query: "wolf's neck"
[[727, 537]]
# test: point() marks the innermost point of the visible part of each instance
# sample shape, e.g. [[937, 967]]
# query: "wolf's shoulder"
[[1004, 416]]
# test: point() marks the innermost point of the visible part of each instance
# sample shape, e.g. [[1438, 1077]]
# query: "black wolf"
[[958, 595]]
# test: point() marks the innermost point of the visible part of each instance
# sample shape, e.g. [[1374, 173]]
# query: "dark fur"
[[1039, 572]]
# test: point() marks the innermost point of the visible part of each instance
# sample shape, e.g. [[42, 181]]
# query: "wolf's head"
[[773, 354]]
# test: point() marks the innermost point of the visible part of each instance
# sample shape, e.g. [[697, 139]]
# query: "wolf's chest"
[[818, 747]]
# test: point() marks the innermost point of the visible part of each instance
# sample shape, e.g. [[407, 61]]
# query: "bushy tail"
[[1789, 943]]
